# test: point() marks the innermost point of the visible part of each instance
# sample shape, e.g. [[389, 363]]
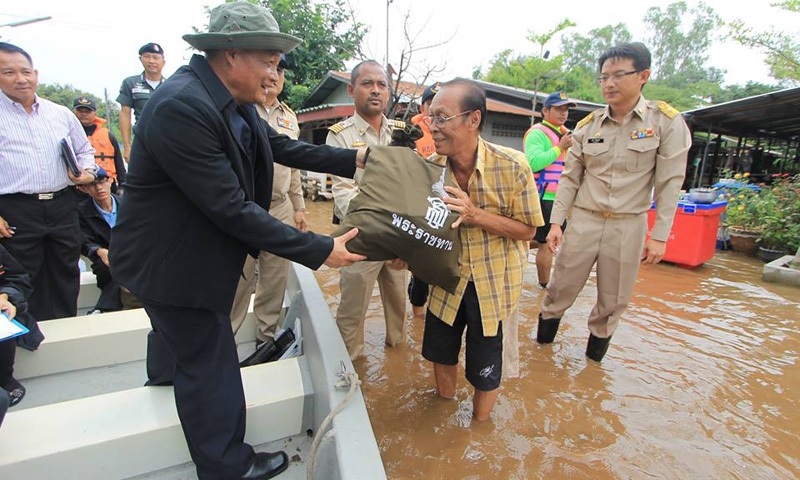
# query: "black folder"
[[68, 156]]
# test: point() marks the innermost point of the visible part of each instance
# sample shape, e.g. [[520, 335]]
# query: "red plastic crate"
[[693, 238]]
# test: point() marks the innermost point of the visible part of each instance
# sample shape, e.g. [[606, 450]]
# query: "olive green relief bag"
[[400, 213]]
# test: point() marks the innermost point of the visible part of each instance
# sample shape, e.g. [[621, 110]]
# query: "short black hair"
[[636, 51], [474, 96], [11, 48], [357, 71]]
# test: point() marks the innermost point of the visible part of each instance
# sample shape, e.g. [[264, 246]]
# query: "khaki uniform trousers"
[[267, 277], [356, 283], [615, 244]]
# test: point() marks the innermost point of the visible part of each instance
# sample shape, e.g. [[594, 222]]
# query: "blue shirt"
[[109, 217]]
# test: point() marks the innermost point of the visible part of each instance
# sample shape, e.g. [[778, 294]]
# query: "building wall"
[[505, 129], [339, 95]]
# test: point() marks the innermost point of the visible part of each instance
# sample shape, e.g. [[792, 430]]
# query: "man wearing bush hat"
[[196, 204]]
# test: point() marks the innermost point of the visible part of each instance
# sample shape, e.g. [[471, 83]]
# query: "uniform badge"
[[359, 143], [642, 133], [284, 123]]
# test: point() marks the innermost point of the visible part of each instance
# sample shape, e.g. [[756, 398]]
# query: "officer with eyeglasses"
[[498, 208], [620, 154]]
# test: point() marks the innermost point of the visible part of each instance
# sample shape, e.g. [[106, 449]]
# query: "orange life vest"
[[425, 146], [103, 149]]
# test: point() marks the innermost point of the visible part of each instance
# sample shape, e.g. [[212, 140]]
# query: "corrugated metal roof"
[[771, 115]]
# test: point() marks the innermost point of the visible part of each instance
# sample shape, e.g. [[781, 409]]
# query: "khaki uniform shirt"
[[355, 132], [286, 182], [502, 183], [613, 168]]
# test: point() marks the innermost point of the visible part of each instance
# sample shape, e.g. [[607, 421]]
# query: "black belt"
[[40, 196]]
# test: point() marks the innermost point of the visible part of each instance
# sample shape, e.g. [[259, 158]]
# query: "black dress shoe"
[[267, 465], [547, 329]]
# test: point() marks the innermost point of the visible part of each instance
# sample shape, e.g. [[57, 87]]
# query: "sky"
[[93, 44]]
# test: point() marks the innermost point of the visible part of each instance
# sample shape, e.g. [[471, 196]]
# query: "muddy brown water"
[[701, 382]]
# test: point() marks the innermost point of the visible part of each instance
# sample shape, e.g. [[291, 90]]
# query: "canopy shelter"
[[759, 134]]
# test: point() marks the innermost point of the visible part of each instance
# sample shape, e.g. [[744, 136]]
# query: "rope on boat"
[[348, 380]]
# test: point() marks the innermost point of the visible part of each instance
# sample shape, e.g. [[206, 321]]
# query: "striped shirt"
[[30, 155], [502, 183]]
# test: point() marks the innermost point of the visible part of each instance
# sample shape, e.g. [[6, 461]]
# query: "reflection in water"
[[701, 381]]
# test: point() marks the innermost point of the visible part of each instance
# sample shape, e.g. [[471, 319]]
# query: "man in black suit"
[[197, 202], [98, 215]]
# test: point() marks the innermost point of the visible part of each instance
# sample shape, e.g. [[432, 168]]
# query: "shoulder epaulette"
[[585, 120], [337, 128], [397, 124], [667, 109], [287, 108]]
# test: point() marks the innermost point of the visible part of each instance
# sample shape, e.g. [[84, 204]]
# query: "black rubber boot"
[[547, 329], [597, 347]]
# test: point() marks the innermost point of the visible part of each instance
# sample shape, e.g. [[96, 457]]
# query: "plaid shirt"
[[502, 183]]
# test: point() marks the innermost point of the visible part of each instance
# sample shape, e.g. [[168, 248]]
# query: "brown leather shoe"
[[267, 465]]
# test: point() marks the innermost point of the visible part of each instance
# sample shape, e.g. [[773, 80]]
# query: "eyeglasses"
[[616, 77], [440, 120]]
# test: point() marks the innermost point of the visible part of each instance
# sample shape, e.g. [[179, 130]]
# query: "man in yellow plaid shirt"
[[498, 207]]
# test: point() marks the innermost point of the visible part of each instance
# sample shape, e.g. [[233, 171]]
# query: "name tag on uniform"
[[595, 140], [642, 133], [140, 90], [359, 143], [284, 123]]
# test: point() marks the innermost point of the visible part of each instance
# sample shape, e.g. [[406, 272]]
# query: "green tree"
[[679, 46], [534, 72], [330, 36], [782, 49], [66, 94], [735, 92], [582, 52], [679, 39], [580, 59]]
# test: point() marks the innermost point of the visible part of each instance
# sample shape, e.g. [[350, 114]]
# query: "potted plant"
[[779, 212], [743, 216]]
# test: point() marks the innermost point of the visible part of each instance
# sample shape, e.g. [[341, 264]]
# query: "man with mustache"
[[369, 88]]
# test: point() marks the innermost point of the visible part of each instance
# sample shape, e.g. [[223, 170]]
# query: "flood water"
[[701, 382]]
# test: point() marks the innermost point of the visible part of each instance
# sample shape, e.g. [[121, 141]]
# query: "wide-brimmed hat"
[[242, 25]]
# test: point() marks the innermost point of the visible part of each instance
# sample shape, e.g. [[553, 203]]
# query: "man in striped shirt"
[[499, 211], [38, 206]]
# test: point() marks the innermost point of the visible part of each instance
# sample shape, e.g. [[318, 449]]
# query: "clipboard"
[[10, 328], [68, 156]]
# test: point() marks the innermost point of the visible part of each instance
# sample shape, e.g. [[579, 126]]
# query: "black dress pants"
[[208, 388], [8, 351], [417, 292], [47, 245], [110, 294]]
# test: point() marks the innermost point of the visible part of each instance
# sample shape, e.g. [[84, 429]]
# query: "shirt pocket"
[[594, 155], [141, 95], [642, 154]]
